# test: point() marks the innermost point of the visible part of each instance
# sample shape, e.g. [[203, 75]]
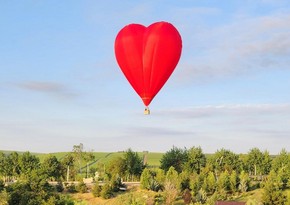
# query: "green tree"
[[195, 186], [78, 152], [201, 196], [223, 182], [172, 177], [133, 164], [195, 160], [51, 167], [211, 183], [81, 187], [244, 181], [281, 161], [150, 180], [88, 157], [13, 160], [68, 170], [106, 191], [281, 165], [171, 186], [145, 179], [117, 167], [258, 162], [3, 165], [272, 193], [234, 182], [4, 197], [175, 157], [31, 191], [226, 160], [28, 163], [160, 177], [96, 191], [184, 178]]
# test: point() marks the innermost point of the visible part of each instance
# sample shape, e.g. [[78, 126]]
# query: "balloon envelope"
[[147, 56]]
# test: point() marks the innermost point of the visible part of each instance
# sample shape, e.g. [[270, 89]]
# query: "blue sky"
[[60, 84]]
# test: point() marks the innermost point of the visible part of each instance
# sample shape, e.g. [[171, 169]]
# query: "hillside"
[[153, 158]]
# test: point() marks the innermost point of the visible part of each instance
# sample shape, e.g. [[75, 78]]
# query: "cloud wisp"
[[228, 110], [49, 88]]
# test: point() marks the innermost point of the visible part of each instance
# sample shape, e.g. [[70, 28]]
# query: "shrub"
[[2, 185], [59, 187], [81, 187], [71, 188], [106, 192], [96, 191]]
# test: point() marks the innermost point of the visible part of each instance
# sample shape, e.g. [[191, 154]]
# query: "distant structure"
[[145, 157], [229, 203]]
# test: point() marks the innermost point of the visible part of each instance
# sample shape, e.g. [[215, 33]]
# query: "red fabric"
[[147, 56]]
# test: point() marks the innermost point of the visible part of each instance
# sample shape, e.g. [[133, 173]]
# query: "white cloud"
[[244, 46], [50, 88], [228, 110]]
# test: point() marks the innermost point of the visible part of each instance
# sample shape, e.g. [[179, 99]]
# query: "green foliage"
[[149, 180], [234, 182], [51, 167], [117, 167], [2, 184], [28, 163], [96, 191], [174, 158], [215, 179], [226, 160], [59, 187], [281, 161], [71, 188], [133, 164], [145, 179], [244, 182], [258, 162], [116, 184], [211, 183], [201, 196], [81, 187], [106, 191], [172, 177], [171, 186], [223, 182], [272, 192], [195, 160], [184, 179], [4, 197]]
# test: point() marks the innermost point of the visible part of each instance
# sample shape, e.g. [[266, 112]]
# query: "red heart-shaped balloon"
[[147, 56]]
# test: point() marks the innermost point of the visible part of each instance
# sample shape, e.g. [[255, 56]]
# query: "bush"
[[81, 187], [96, 191], [4, 198], [2, 185], [71, 188], [117, 184], [106, 192], [59, 187]]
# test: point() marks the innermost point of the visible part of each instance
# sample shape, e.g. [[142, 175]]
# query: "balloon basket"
[[146, 111]]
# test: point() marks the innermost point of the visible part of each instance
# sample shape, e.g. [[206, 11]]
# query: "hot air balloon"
[[147, 56]]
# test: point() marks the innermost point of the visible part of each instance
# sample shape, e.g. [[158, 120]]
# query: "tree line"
[[190, 174], [224, 175]]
